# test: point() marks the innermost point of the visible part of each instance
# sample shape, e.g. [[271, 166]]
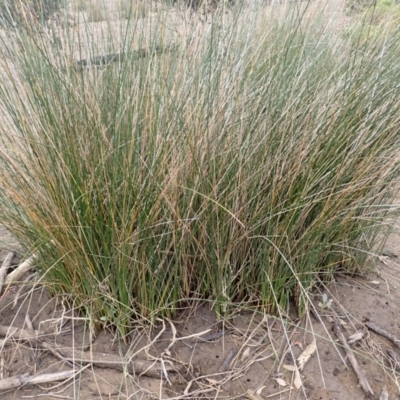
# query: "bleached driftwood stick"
[[362, 379], [21, 270], [22, 380]]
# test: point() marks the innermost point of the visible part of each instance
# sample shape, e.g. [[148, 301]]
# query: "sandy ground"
[[196, 345], [263, 348]]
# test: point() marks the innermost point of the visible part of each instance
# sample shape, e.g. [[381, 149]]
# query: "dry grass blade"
[[394, 359], [22, 288], [288, 345]]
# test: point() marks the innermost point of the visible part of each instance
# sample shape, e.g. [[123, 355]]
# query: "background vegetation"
[[15, 12], [242, 167]]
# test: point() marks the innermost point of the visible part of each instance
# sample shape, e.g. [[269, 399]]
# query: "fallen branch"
[[362, 379], [153, 369], [383, 333], [120, 57], [23, 380]]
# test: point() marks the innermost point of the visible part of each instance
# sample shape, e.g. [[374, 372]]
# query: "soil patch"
[[190, 353]]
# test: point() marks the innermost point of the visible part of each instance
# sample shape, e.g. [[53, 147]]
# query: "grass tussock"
[[95, 10], [239, 167], [376, 23]]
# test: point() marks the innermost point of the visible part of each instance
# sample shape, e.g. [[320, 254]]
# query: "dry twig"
[[21, 289], [382, 332], [228, 360], [287, 345], [366, 387], [23, 380]]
